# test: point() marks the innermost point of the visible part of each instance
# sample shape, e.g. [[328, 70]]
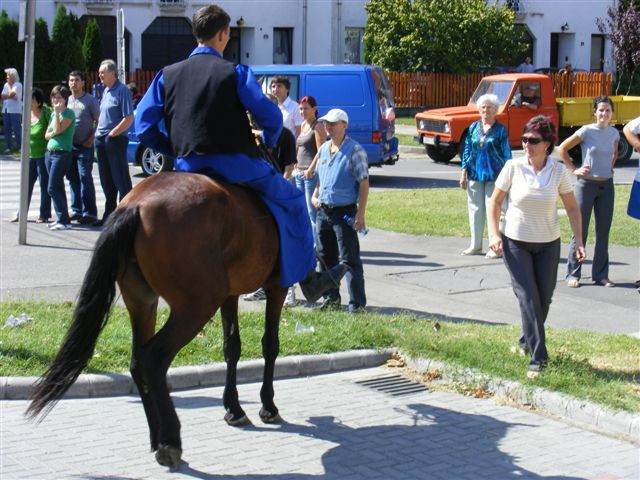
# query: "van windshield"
[[499, 89]]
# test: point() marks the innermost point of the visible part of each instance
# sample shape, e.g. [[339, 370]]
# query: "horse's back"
[[196, 229]]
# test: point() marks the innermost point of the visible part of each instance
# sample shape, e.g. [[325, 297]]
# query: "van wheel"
[[624, 148], [440, 155], [154, 162]]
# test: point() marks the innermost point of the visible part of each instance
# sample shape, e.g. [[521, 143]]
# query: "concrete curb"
[[411, 149], [595, 417], [586, 414], [179, 378]]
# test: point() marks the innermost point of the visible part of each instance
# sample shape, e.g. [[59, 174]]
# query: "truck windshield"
[[499, 89]]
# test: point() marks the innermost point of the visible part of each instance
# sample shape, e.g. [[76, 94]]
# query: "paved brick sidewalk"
[[337, 429]]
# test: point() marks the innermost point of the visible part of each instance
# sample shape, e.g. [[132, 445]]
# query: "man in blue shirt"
[[116, 116], [202, 101], [341, 199]]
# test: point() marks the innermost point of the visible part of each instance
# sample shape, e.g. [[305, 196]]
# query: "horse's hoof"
[[169, 456], [267, 417], [233, 421]]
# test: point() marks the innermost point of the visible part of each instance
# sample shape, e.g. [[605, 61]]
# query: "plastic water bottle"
[[350, 221], [301, 328]]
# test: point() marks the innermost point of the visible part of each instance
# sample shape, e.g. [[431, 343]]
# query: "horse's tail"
[[90, 316]]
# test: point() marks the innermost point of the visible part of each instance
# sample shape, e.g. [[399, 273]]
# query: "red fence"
[[414, 90], [142, 79]]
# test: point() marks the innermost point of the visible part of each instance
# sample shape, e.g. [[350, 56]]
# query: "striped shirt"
[[532, 214]]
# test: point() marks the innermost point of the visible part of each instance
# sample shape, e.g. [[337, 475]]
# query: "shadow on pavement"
[[412, 450]]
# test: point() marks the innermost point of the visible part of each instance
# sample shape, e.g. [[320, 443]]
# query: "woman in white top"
[[530, 240], [594, 188], [12, 109]]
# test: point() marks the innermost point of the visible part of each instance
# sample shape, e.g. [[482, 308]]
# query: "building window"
[[353, 45], [282, 45], [597, 53]]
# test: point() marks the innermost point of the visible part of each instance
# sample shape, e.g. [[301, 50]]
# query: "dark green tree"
[[12, 51], [42, 52], [439, 35], [92, 46], [623, 28], [66, 47]]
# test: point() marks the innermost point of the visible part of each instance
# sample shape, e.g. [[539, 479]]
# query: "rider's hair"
[[208, 21]]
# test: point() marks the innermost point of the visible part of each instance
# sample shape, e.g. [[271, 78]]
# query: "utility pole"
[[26, 33], [121, 46]]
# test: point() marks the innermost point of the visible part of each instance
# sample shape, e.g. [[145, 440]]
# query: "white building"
[[565, 31], [158, 32]]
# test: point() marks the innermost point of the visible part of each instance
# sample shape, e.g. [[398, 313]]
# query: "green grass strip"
[[592, 366]]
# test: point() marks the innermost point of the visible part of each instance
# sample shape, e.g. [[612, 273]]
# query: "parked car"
[[442, 130], [360, 90], [149, 160]]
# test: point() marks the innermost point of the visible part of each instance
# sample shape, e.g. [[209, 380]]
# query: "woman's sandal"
[[573, 283], [605, 283]]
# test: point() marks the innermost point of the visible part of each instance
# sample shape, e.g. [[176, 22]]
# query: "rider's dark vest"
[[202, 111]]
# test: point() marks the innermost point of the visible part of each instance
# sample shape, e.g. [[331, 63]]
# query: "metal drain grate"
[[394, 385]]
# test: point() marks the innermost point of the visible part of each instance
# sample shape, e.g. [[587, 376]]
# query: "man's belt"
[[330, 208]]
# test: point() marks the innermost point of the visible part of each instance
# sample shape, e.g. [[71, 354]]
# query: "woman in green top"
[[40, 114], [58, 157]]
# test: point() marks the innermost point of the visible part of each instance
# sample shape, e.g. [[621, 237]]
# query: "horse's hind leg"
[[142, 304], [270, 349], [234, 414], [155, 357]]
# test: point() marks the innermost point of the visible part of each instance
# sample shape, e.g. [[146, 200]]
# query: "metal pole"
[[120, 45], [26, 119]]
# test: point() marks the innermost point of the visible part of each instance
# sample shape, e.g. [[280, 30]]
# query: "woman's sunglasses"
[[531, 140]]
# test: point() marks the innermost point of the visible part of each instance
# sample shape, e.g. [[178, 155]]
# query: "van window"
[[331, 90], [265, 82]]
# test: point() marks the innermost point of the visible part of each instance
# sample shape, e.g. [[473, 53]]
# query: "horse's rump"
[[197, 228]]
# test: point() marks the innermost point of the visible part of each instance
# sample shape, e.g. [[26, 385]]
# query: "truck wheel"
[[624, 149], [440, 155]]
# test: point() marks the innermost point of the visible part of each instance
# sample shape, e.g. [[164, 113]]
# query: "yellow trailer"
[[577, 111]]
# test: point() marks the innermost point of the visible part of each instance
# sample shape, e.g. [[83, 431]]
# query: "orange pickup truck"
[[442, 130]]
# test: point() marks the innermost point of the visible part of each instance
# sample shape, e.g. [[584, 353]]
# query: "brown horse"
[[198, 244]]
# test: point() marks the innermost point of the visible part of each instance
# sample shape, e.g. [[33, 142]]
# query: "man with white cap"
[[341, 200]]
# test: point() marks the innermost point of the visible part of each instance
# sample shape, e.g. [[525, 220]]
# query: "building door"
[[167, 40], [232, 50], [553, 59]]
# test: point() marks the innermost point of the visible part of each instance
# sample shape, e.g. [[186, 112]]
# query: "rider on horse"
[[203, 102]]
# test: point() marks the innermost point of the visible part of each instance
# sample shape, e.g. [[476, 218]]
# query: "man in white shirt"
[[291, 117], [12, 109]]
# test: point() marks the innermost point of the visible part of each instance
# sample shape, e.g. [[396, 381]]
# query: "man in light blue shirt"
[[116, 116]]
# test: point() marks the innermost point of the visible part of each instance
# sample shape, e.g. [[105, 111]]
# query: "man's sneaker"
[[317, 284], [61, 226], [75, 216], [290, 301], [259, 294]]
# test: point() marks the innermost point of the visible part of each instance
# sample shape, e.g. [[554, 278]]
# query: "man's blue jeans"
[[338, 242], [38, 171], [113, 169], [12, 123], [58, 164], [83, 192], [308, 185]]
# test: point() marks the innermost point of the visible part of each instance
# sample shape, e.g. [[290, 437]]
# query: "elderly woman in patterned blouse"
[[486, 149]]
